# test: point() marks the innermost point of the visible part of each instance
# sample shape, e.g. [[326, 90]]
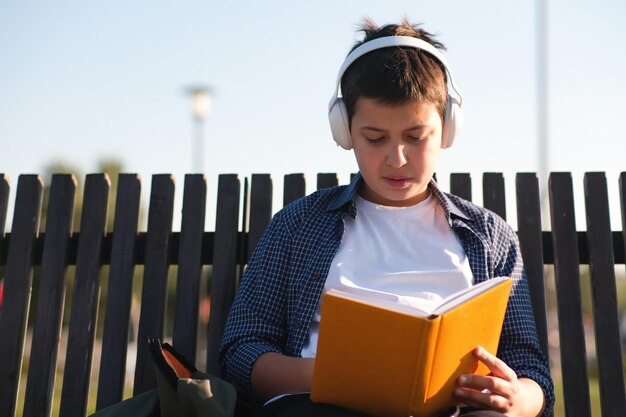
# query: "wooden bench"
[[242, 213]]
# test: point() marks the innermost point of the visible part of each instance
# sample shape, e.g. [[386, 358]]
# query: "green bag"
[[181, 390], [142, 405]]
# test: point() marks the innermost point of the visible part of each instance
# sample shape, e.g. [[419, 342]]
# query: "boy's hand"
[[501, 390]]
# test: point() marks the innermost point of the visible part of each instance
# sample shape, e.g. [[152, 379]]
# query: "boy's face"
[[396, 148]]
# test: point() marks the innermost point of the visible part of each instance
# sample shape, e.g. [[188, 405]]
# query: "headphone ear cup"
[[339, 124], [452, 122]]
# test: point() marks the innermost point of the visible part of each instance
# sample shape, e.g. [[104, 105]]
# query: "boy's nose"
[[396, 157]]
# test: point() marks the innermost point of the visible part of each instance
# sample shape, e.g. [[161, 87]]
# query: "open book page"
[[462, 296], [391, 302]]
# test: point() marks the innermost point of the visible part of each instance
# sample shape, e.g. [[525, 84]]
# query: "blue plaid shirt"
[[285, 277]]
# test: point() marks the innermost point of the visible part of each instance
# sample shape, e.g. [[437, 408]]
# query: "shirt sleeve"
[[257, 321], [519, 346]]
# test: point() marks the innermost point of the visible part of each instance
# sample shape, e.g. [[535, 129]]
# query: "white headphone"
[[338, 114]]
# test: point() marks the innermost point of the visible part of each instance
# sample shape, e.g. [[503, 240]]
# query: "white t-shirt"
[[408, 255]]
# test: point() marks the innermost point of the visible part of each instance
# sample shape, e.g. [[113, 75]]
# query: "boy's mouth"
[[396, 181]]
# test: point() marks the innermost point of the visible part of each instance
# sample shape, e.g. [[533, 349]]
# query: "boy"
[[391, 232]]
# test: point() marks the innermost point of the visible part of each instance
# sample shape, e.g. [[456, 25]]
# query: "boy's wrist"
[[274, 374], [530, 393]]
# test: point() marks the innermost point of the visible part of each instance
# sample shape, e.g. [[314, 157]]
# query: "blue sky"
[[85, 81]]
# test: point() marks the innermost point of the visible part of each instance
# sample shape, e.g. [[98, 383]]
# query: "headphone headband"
[[386, 42]]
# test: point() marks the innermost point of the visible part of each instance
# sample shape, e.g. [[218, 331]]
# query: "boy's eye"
[[414, 139]]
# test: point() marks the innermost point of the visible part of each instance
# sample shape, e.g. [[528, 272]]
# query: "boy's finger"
[[489, 386], [496, 365], [480, 399]]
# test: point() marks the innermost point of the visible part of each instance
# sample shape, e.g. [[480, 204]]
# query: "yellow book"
[[393, 360]]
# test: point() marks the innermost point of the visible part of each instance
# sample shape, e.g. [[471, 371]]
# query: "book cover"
[[394, 360]]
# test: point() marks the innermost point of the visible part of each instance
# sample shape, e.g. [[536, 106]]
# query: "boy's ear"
[[340, 123]]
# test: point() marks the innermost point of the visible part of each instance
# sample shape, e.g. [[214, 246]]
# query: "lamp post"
[[543, 145], [200, 108]]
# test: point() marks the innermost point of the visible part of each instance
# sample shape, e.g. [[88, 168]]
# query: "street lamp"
[[200, 108], [543, 135]]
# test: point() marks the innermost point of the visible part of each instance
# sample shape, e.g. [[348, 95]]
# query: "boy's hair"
[[395, 75]]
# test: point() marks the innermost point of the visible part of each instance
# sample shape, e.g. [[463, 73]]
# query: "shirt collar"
[[452, 210], [345, 200]]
